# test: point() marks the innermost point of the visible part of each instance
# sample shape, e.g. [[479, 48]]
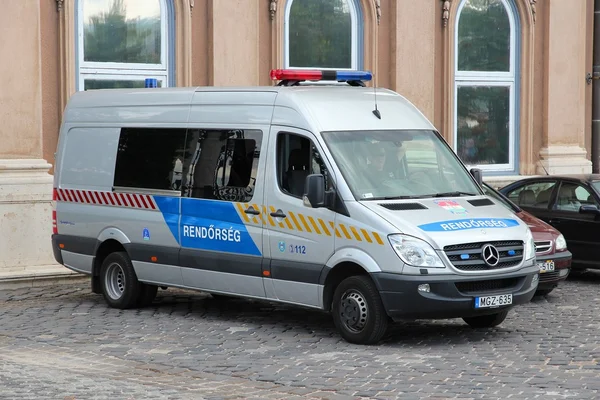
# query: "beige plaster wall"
[[233, 42], [51, 109], [21, 93], [413, 52], [200, 47], [566, 46]]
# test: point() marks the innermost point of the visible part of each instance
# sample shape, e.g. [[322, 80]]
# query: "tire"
[[486, 321], [120, 286], [147, 295], [358, 312], [543, 292]]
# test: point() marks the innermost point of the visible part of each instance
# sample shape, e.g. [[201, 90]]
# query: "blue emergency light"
[[151, 83]]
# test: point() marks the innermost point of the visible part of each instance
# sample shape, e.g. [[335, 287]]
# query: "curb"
[[28, 277]]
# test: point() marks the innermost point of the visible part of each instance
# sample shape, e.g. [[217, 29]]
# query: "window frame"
[[493, 79], [356, 32], [164, 71]]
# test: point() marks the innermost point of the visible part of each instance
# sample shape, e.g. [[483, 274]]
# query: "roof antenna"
[[378, 12]]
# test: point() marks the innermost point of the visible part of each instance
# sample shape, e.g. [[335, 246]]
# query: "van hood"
[[454, 220]]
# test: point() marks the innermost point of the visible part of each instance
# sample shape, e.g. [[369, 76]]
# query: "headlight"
[[561, 243], [529, 247], [415, 252]]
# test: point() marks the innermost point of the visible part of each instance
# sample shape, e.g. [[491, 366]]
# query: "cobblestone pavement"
[[63, 342]]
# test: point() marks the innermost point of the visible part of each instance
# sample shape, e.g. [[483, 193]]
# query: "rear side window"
[[150, 158], [221, 164]]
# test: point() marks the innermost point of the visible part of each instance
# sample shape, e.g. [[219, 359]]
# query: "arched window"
[[323, 34], [486, 83], [120, 43]]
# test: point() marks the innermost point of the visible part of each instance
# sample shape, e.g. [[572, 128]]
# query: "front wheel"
[[358, 312], [486, 321]]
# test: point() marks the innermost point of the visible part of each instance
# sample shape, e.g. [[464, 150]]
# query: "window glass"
[[484, 36], [150, 158], [483, 120], [320, 33], [533, 194], [297, 157], [122, 42], [221, 164], [486, 133], [398, 164], [571, 196], [122, 31]]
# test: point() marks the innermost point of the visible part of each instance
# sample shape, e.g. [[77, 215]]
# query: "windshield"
[[399, 164], [496, 196]]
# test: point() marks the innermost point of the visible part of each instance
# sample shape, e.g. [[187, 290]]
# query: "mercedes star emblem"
[[490, 255]]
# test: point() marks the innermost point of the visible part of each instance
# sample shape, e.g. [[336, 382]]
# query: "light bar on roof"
[[319, 75]]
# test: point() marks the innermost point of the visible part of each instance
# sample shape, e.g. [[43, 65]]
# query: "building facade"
[[508, 83]]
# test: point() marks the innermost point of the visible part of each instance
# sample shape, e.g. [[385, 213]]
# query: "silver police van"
[[330, 196]]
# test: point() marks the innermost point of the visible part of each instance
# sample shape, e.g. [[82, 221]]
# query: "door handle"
[[278, 214], [251, 210]]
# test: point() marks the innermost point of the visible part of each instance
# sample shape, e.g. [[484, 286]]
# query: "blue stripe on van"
[[463, 224], [169, 207], [207, 225], [214, 225]]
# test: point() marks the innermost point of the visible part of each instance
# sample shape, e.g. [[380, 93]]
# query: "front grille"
[[468, 256], [543, 246], [486, 286], [549, 276]]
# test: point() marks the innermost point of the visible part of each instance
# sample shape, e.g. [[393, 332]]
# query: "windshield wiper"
[[453, 194]]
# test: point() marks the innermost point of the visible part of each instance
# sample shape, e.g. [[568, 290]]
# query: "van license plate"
[[547, 266], [493, 301]]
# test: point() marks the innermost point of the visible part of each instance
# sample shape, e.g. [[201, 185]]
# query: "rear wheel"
[[358, 312], [486, 321], [120, 286]]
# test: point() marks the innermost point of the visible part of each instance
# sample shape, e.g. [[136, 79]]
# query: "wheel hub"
[[353, 311]]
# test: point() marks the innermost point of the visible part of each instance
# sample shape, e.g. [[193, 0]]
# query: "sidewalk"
[[34, 276]]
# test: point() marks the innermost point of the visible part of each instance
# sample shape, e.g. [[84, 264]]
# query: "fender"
[[114, 234], [349, 254]]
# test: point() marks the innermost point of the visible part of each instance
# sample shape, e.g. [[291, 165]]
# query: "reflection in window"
[[150, 158], [571, 196], [484, 36], [485, 130], [322, 34], [122, 42], [297, 157], [221, 164]]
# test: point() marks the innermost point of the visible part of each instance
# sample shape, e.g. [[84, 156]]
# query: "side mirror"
[[589, 209], [315, 191], [478, 175]]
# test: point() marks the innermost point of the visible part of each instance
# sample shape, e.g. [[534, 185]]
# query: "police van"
[[333, 196]]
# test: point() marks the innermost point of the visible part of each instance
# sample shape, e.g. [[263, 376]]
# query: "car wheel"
[[486, 321], [120, 286], [358, 312]]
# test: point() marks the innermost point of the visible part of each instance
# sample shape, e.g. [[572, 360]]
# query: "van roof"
[[324, 107]]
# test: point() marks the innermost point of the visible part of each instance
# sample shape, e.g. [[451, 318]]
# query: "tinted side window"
[[297, 157], [221, 164], [571, 196], [150, 158], [533, 194]]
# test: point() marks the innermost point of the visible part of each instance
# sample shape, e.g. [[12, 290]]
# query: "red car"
[[552, 255]]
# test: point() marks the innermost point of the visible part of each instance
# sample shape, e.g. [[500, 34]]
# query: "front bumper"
[[562, 268], [451, 296]]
